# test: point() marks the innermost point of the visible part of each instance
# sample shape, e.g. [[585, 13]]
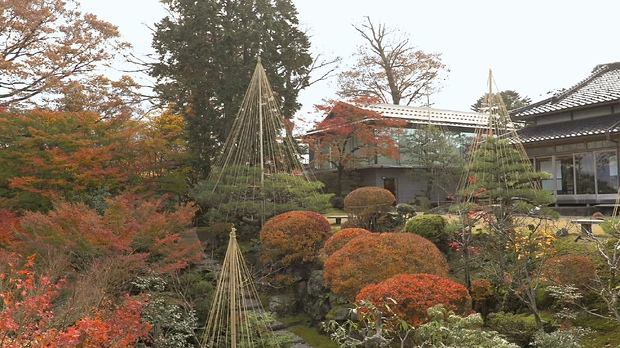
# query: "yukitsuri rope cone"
[[236, 306]]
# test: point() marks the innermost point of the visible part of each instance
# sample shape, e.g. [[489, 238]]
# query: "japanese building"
[[574, 137]]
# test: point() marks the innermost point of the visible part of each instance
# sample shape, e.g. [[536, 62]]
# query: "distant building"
[[396, 175], [574, 136]]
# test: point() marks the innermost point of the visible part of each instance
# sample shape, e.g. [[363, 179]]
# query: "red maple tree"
[[350, 135]]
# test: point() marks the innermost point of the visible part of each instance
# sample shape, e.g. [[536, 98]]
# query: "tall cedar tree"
[[349, 135], [390, 68], [46, 45], [207, 52]]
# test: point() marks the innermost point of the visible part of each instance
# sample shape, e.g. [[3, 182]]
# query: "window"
[[565, 177], [584, 173], [606, 172]]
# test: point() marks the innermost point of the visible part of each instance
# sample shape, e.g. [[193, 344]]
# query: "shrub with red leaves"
[[568, 269], [374, 257], [294, 237], [414, 294], [337, 240], [369, 206]]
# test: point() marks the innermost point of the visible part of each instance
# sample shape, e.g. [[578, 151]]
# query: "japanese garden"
[[195, 213]]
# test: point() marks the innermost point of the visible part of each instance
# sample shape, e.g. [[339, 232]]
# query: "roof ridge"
[[597, 71]]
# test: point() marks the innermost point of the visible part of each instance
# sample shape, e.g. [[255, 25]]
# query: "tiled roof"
[[591, 126], [602, 86], [424, 115]]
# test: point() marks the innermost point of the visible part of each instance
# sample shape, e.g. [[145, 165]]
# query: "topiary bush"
[[369, 206], [429, 226], [337, 240], [372, 258], [294, 237], [414, 294]]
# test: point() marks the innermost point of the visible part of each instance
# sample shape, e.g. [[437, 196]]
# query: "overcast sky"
[[532, 47]]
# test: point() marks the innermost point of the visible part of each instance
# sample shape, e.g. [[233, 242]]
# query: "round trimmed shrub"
[[337, 240], [570, 269], [429, 226], [369, 205], [294, 237], [414, 294], [372, 258]]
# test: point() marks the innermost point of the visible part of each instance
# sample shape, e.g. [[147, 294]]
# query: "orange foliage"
[[481, 289], [27, 315], [294, 237], [62, 155], [569, 269], [131, 228], [8, 221], [415, 293], [342, 237], [375, 257], [369, 196]]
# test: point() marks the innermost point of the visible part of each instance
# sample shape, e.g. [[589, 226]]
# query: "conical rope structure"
[[235, 316], [498, 192], [500, 138], [260, 161]]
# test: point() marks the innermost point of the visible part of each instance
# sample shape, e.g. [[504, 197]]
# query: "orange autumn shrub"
[[368, 206], [294, 237], [374, 257], [569, 269], [414, 294], [481, 289], [342, 237]]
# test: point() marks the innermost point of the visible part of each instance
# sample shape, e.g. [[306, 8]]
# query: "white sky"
[[532, 47]]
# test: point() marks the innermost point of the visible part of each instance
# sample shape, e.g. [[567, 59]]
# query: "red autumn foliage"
[[294, 237], [8, 220], [414, 294], [337, 240], [369, 196], [481, 289], [570, 269], [369, 206], [66, 154], [28, 317], [352, 135], [374, 257], [129, 229]]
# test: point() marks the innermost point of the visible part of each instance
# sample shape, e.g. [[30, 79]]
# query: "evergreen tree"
[[500, 197], [207, 51]]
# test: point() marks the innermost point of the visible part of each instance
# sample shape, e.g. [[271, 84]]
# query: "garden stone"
[[282, 304]]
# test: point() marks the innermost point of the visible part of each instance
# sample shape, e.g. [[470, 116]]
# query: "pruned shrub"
[[429, 226], [369, 206], [294, 237], [374, 257], [342, 237], [405, 211], [569, 269], [414, 294]]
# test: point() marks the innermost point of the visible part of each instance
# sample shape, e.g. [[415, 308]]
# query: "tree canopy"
[[511, 99], [389, 68], [349, 135], [46, 44], [207, 51]]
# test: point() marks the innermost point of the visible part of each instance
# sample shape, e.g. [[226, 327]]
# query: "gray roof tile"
[[602, 86], [596, 125]]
